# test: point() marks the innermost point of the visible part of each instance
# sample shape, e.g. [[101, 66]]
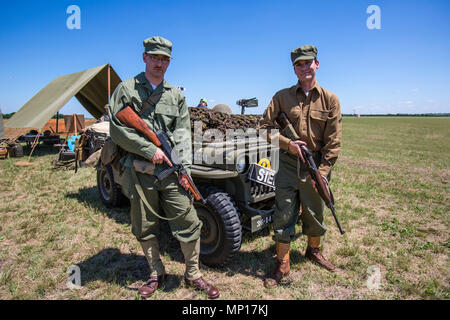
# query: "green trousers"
[[166, 198], [290, 191]]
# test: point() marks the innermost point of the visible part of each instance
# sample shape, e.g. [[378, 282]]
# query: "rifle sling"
[[151, 101]]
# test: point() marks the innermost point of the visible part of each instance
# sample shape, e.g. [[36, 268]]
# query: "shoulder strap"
[[151, 101]]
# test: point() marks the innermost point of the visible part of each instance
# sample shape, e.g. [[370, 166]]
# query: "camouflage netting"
[[222, 121]]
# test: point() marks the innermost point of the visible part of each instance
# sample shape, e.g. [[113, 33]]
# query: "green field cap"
[[307, 52], [158, 45]]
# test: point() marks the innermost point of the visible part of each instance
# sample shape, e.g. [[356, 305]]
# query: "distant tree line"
[[61, 116], [401, 115], [9, 115]]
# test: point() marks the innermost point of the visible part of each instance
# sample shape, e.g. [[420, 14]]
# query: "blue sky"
[[228, 50]]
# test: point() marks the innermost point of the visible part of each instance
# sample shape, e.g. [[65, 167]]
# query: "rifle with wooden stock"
[[306, 157], [160, 139]]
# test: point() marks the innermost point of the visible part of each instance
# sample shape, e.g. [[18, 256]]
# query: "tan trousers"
[[151, 251]]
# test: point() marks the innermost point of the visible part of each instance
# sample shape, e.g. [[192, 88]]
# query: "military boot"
[[150, 286], [282, 266], [313, 253]]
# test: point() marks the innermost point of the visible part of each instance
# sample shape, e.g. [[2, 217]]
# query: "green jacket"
[[170, 114]]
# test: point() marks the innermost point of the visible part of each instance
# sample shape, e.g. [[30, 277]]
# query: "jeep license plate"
[[262, 175]]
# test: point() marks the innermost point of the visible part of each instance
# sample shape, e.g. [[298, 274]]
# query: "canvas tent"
[[91, 87]]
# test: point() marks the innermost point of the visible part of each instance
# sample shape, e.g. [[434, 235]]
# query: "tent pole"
[[75, 123], [57, 117], [35, 142], [109, 83]]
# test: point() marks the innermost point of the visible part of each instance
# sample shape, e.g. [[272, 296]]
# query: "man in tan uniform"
[[316, 116]]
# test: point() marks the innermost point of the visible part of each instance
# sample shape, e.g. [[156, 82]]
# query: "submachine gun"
[[247, 103], [321, 186], [130, 118]]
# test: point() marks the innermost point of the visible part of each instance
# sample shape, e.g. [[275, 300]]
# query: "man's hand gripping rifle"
[[320, 185], [129, 118]]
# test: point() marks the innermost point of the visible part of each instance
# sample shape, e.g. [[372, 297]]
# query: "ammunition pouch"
[[111, 154], [93, 159], [144, 167]]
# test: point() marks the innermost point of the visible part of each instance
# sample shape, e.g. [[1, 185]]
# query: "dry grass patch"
[[392, 204]]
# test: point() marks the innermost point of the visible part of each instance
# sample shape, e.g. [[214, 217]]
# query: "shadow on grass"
[[257, 264], [91, 198], [112, 266]]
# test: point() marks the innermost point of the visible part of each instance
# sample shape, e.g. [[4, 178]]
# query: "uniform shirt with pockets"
[[316, 118], [170, 114]]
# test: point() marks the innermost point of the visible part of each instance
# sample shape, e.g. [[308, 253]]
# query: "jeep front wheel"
[[221, 233]]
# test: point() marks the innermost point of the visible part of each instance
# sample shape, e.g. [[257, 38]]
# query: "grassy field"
[[391, 185]]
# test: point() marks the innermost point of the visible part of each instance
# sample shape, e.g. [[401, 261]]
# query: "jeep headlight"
[[240, 167]]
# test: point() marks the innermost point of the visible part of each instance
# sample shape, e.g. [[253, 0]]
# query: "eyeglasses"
[[304, 63], [154, 58]]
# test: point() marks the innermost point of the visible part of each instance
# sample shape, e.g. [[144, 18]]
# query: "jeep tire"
[[221, 233], [109, 191]]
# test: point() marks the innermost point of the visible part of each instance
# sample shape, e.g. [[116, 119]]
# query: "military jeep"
[[236, 181]]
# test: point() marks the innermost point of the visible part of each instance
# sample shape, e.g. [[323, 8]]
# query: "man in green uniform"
[[162, 107], [316, 117]]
